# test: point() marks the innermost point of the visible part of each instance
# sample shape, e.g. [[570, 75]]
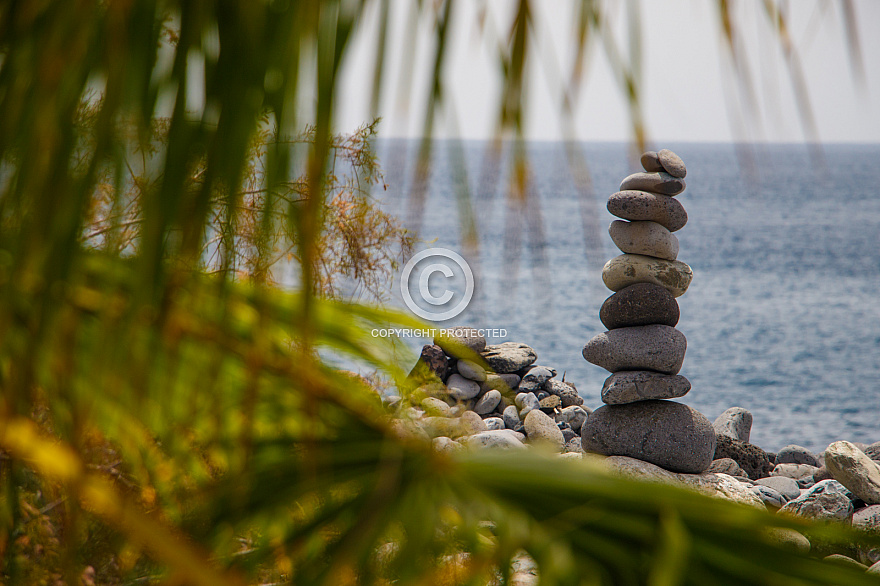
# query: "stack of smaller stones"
[[500, 398], [642, 349]]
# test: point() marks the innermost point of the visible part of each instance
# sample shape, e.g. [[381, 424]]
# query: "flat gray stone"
[[736, 423], [509, 357], [853, 469], [488, 402], [793, 454], [471, 370], [630, 386], [726, 466], [787, 487], [643, 206], [656, 347], [651, 162], [461, 388], [629, 269], [769, 496], [672, 163], [464, 335], [644, 237], [670, 435], [640, 304], [825, 501], [541, 429], [658, 182], [574, 416]]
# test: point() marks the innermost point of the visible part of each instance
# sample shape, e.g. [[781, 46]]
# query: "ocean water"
[[782, 317]]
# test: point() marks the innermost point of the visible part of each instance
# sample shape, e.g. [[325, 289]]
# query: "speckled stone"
[[672, 163], [752, 459], [825, 501], [466, 336], [643, 206], [651, 162], [509, 357], [541, 429], [735, 423], [655, 347], [488, 402], [628, 269], [630, 386], [640, 304], [648, 238], [668, 434], [853, 469], [726, 466], [794, 454], [433, 359], [660, 182], [471, 370]]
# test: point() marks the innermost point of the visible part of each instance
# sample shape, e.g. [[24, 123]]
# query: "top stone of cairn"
[[665, 160]]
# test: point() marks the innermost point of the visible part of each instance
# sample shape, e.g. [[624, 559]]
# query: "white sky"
[[688, 92]]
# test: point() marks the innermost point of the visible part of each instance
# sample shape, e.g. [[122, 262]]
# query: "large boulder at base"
[[736, 423], [752, 459], [825, 501], [640, 304], [668, 434], [853, 469], [656, 347], [509, 357]]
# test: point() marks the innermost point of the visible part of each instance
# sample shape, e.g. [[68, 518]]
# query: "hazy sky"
[[688, 91]]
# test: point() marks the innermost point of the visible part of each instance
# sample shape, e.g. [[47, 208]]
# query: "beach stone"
[[499, 438], [471, 370], [752, 459], [640, 304], [435, 359], [494, 423], [461, 388], [794, 471], [655, 347], [671, 435], [499, 382], [643, 206], [566, 392], [651, 162], [788, 538], [821, 474], [568, 434], [527, 404], [853, 469], [550, 402], [787, 487], [770, 497], [468, 424], [466, 336], [840, 559], [629, 386], [875, 569], [793, 454], [628, 269], [574, 446], [726, 466], [672, 163], [511, 418], [488, 402], [873, 451], [535, 377], [644, 237], [867, 519], [509, 357], [446, 445], [541, 429], [657, 182], [735, 423], [825, 501], [436, 407], [574, 416]]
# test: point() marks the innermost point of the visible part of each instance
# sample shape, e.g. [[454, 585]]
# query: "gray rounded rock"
[[628, 269], [655, 347], [825, 501], [648, 238], [867, 519], [643, 206], [466, 336], [793, 454], [726, 466], [856, 471], [672, 163], [541, 429], [574, 416], [435, 406], [794, 471], [550, 402], [488, 402], [668, 434], [528, 402], [736, 423], [567, 392], [471, 370], [497, 439], [787, 487], [659, 182], [511, 418], [651, 162], [640, 304], [500, 382], [509, 357], [769, 496], [494, 423], [630, 386], [461, 388]]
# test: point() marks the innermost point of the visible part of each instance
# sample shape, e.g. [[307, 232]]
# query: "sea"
[[782, 317]]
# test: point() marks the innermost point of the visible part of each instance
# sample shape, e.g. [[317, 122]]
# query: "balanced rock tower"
[[642, 349]]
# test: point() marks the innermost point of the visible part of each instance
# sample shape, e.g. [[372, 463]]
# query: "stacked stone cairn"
[[642, 349], [496, 398]]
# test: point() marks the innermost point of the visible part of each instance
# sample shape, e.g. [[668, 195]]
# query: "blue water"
[[782, 317]]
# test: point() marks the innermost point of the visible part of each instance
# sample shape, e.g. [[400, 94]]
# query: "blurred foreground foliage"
[[166, 413]]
